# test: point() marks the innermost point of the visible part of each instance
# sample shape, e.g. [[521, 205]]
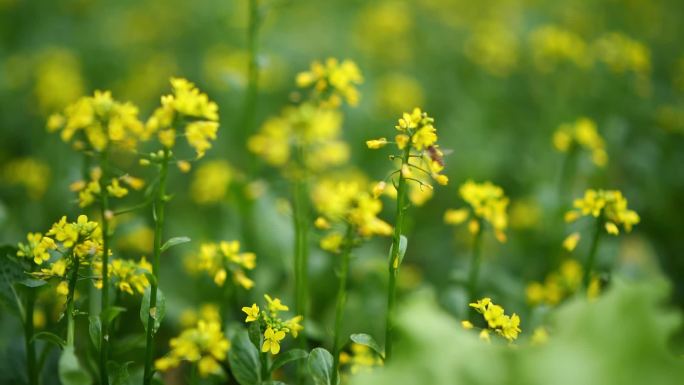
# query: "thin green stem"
[[301, 244], [159, 204], [589, 265], [475, 263], [31, 368], [394, 256], [70, 301], [567, 174], [252, 91], [341, 300], [104, 213]]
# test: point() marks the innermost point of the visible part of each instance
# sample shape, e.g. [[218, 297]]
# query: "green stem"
[[589, 265], [394, 255], [341, 300], [250, 103], [567, 174], [104, 212], [475, 264], [70, 301], [301, 247], [160, 202], [31, 368]]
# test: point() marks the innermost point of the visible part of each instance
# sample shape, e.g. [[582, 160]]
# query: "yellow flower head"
[[37, 248], [219, 259], [211, 181], [252, 313], [204, 344], [581, 134], [487, 203], [272, 341], [610, 206], [276, 329], [497, 321], [332, 81], [127, 275]]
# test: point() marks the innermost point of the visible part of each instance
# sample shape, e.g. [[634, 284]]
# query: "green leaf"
[[367, 340], [244, 360], [321, 366], [11, 272], [403, 243], [272, 382], [118, 373], [32, 282], [95, 331], [173, 242], [290, 355], [70, 370], [157, 313], [49, 337], [110, 313], [255, 334]]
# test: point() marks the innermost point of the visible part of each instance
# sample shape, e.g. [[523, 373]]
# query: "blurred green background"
[[498, 76]]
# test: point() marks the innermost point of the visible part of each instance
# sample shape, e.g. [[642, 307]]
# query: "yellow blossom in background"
[[539, 336], [525, 214], [497, 321], [89, 191], [383, 30], [211, 181], [553, 46], [205, 345], [623, 54], [32, 174], [581, 134], [608, 206], [332, 82], [208, 312], [360, 359], [101, 120], [493, 46], [58, 79], [487, 203], [220, 259], [559, 285], [397, 92]]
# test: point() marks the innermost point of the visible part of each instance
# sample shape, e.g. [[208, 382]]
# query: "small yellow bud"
[[379, 188], [376, 143], [612, 228], [571, 241], [184, 166], [401, 140], [467, 325], [441, 179], [572, 216], [455, 217], [322, 223], [474, 226], [144, 162]]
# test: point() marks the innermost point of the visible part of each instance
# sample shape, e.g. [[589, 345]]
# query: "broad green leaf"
[[118, 373], [49, 337], [288, 356], [244, 360], [110, 313], [70, 370], [367, 340], [157, 312], [11, 272], [95, 331], [254, 334], [321, 366], [273, 383], [403, 243], [173, 242]]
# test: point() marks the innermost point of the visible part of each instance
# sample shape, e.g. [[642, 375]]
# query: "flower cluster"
[[187, 106], [361, 359], [553, 45], [582, 133], [487, 202], [609, 206], [332, 81], [417, 138], [275, 328], [204, 344], [76, 243], [127, 275], [89, 191], [561, 284], [219, 259], [102, 120], [340, 202], [307, 135], [497, 321]]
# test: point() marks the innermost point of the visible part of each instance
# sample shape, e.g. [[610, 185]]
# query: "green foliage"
[[243, 357], [11, 272], [50, 337], [621, 338], [321, 366], [157, 314], [70, 370], [173, 242], [288, 356]]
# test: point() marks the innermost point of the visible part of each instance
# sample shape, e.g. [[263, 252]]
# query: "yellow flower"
[[456, 217], [583, 134], [376, 143], [37, 249], [220, 259], [487, 202], [540, 336], [116, 190], [211, 182], [609, 205], [571, 241], [252, 313], [199, 135], [272, 340], [336, 80], [32, 174], [497, 321], [467, 325], [274, 305]]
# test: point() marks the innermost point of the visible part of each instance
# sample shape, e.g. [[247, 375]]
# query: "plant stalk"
[[341, 300], [104, 212], [159, 204], [70, 301], [394, 255], [475, 264], [589, 265], [31, 368]]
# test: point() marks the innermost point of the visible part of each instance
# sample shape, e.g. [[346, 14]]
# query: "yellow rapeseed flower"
[[332, 81], [487, 203], [497, 321], [581, 134]]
